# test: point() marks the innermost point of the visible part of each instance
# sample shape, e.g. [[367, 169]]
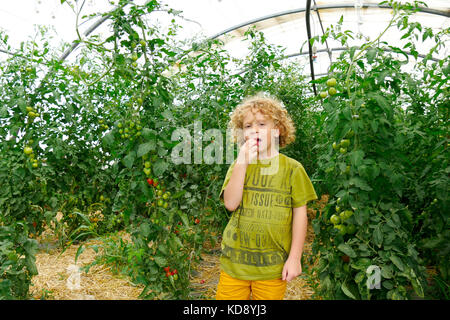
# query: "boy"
[[267, 193]]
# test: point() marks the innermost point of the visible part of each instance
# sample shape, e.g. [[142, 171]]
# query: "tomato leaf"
[[378, 236], [360, 276], [145, 229], [345, 248], [417, 287], [347, 291], [397, 262], [108, 139], [161, 261], [144, 148], [159, 167], [184, 218], [356, 157], [129, 159]]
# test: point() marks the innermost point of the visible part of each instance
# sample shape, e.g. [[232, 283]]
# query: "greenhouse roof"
[[283, 22]]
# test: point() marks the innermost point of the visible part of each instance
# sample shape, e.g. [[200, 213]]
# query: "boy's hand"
[[248, 151], [291, 270]]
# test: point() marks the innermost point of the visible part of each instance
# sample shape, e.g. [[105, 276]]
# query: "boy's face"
[[257, 125]]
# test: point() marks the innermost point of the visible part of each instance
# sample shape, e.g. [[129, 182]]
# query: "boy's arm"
[[232, 194], [292, 267]]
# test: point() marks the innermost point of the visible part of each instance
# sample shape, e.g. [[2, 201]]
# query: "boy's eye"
[[262, 124]]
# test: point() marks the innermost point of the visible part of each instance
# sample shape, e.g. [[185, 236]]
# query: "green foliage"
[[17, 261], [395, 125], [100, 131]]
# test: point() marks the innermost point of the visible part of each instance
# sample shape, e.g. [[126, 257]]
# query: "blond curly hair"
[[270, 107]]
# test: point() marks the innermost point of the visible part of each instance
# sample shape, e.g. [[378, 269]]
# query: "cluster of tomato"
[[342, 145], [32, 113], [103, 125], [342, 217], [29, 152], [173, 273], [134, 56], [129, 129], [331, 83]]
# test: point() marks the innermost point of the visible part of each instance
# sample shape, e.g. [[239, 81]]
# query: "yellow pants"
[[230, 288]]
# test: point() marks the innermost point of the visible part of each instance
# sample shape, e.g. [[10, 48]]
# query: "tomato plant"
[[86, 149], [370, 120]]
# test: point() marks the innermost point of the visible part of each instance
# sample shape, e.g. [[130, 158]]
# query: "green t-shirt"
[[257, 239]]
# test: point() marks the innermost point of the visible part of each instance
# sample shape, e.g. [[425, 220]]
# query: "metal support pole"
[[308, 31]]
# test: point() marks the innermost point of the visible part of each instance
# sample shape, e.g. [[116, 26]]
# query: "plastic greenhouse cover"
[[211, 17]]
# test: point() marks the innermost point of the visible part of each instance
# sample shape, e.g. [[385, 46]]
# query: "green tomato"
[[332, 91], [165, 205], [159, 193], [147, 171], [165, 196], [147, 164], [345, 143], [335, 146], [335, 219], [323, 94], [343, 150], [342, 229], [350, 134], [348, 213], [28, 150], [331, 82], [160, 203]]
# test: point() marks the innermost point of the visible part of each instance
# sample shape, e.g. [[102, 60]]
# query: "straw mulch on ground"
[[55, 278], [99, 283]]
